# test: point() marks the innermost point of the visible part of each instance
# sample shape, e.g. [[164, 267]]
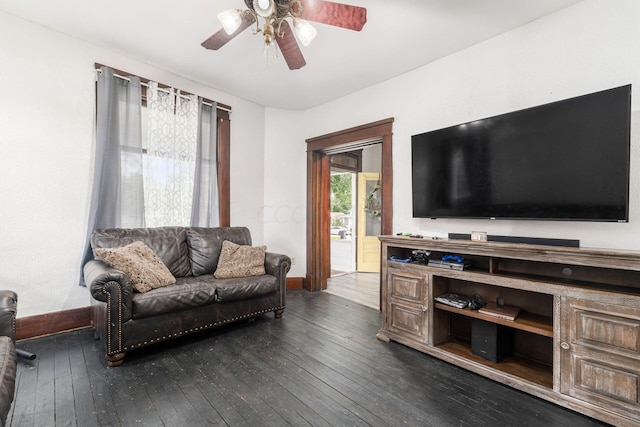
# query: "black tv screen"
[[567, 160]]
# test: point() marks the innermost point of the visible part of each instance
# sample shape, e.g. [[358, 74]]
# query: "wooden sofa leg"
[[278, 313], [114, 360]]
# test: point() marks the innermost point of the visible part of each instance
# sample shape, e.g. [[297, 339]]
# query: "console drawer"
[[601, 354], [606, 327], [406, 309], [407, 285]]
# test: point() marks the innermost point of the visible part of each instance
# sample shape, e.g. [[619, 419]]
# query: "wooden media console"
[[575, 341]]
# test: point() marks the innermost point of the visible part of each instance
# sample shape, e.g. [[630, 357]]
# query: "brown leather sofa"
[[8, 359], [125, 320]]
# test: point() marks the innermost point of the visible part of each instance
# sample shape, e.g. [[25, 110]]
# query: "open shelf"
[[527, 370], [610, 271], [537, 324]]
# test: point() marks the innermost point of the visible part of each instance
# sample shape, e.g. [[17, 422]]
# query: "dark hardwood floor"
[[362, 288], [320, 365]]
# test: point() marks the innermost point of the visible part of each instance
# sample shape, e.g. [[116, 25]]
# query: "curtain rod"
[[144, 82]]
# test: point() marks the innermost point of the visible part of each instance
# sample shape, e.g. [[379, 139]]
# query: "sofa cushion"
[[188, 292], [240, 261], [228, 290], [143, 267], [169, 243], [205, 245]]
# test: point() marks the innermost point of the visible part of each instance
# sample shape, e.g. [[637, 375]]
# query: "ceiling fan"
[[281, 19]]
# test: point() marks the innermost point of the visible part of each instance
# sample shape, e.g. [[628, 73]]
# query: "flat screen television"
[[567, 160]]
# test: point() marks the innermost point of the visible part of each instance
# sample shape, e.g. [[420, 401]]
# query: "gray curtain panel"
[[117, 198], [205, 212]]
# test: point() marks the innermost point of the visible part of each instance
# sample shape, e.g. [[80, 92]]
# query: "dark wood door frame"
[[318, 191]]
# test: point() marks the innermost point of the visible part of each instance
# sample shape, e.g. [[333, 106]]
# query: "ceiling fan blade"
[[221, 38], [336, 14], [289, 47]]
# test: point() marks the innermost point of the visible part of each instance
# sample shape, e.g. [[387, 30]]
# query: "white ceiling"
[[400, 35]]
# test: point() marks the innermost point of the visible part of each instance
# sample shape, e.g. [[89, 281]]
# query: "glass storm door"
[[369, 222]]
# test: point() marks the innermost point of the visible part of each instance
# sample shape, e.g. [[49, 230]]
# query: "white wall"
[[591, 46], [47, 142], [285, 187]]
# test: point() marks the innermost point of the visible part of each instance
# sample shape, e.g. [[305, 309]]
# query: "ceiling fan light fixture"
[[264, 8], [304, 31], [231, 20], [280, 24], [269, 33]]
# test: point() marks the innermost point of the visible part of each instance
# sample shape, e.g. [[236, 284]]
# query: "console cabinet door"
[[407, 292], [600, 354]]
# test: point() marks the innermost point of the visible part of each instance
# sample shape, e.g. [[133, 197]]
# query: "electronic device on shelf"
[[415, 236], [476, 303], [420, 255], [455, 258], [451, 262], [399, 259], [453, 300]]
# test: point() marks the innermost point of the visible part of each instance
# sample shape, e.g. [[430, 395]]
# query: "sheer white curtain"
[[169, 166]]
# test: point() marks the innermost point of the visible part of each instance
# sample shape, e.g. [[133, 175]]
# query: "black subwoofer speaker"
[[490, 341]]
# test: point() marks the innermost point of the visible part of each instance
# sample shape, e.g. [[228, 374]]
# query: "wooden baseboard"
[[52, 323], [295, 283]]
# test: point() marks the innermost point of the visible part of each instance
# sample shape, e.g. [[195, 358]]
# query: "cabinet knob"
[[565, 346]]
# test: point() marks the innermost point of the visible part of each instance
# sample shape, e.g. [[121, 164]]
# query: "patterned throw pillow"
[[240, 261], [140, 264]]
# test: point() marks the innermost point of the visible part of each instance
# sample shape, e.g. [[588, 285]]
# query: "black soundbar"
[[544, 241]]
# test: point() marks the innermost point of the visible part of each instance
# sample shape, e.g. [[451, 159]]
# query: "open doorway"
[[343, 222], [319, 151], [356, 206]]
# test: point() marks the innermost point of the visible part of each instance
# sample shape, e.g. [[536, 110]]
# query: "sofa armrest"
[[8, 310], [277, 265], [109, 285]]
